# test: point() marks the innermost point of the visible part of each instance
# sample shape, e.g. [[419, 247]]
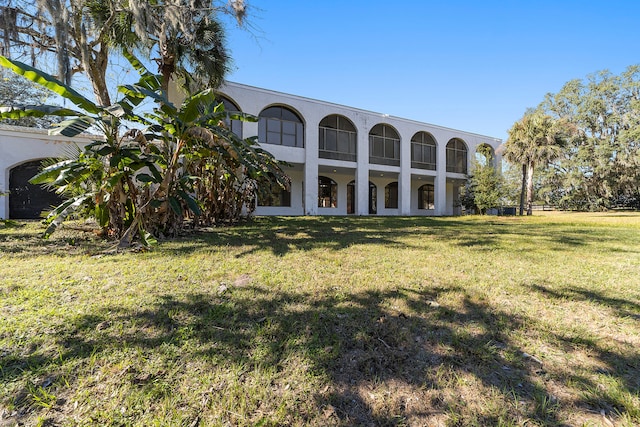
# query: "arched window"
[[426, 197], [485, 155], [280, 126], [384, 145], [423, 151], [327, 193], [271, 194], [337, 139], [391, 195], [230, 107], [26, 200], [456, 156]]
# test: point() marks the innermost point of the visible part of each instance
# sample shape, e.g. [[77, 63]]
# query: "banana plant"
[[176, 164], [101, 179]]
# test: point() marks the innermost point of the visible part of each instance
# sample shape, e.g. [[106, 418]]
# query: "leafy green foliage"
[[21, 93], [484, 187], [184, 164], [50, 83], [601, 168], [536, 140]]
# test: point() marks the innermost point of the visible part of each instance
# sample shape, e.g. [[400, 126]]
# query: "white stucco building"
[[343, 160], [349, 161]]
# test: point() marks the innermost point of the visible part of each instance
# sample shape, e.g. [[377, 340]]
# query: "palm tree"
[[536, 139], [184, 37]]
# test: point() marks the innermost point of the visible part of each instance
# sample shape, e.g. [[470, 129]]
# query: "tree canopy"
[[185, 38], [601, 168], [180, 164], [484, 187], [535, 140]]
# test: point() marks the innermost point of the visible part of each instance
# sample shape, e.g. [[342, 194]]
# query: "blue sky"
[[469, 65]]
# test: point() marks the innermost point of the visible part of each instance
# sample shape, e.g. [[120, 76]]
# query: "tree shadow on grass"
[[396, 357], [281, 235], [622, 307]]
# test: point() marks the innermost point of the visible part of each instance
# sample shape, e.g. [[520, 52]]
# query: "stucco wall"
[[19, 145], [253, 100]]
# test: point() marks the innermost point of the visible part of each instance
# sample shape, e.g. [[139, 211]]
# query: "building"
[[343, 160], [349, 161]]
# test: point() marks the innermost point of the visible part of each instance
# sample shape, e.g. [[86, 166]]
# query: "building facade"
[[342, 160], [346, 161]]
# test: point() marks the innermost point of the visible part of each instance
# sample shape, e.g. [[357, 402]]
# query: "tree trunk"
[[93, 60], [530, 188], [523, 188]]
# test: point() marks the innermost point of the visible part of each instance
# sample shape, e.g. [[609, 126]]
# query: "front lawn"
[[327, 321]]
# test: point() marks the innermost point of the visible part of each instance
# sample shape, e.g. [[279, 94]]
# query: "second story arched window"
[[456, 156], [423, 151], [384, 145], [230, 107], [485, 155], [337, 139], [280, 126]]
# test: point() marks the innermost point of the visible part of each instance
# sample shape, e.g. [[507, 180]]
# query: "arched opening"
[[423, 151], [337, 139], [485, 155], [384, 145], [351, 198], [457, 156], [28, 201], [426, 198], [230, 108], [327, 193], [391, 195], [280, 126], [272, 194]]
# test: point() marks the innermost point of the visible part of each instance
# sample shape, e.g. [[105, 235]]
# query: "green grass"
[[327, 321]]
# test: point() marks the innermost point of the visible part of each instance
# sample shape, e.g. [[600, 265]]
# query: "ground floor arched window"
[[391, 195], [271, 194], [426, 197], [327, 193]]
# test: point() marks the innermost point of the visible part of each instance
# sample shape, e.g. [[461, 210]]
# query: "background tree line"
[[578, 150]]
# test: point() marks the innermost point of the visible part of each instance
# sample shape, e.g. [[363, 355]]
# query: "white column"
[[311, 169], [362, 173], [440, 181], [404, 180]]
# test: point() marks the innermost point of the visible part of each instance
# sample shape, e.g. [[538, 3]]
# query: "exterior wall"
[[19, 145], [253, 100]]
